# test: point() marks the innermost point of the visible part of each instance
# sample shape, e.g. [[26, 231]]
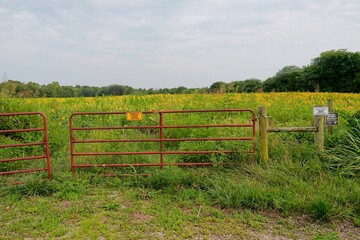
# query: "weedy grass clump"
[[344, 158], [72, 188], [171, 179], [33, 187], [242, 194], [321, 209]]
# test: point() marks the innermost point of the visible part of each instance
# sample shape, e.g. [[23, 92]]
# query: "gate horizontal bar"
[[159, 140], [167, 111], [22, 145], [209, 125], [142, 164], [158, 127], [113, 128], [207, 111], [22, 158], [155, 153], [20, 114], [24, 171], [22, 130]]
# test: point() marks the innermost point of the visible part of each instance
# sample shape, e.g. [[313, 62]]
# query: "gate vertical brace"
[[72, 160], [161, 140], [47, 148], [254, 135], [263, 127]]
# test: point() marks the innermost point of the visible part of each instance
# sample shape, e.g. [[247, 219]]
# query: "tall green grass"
[[344, 158]]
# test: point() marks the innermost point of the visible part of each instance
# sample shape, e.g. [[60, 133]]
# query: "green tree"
[[251, 85], [285, 80], [87, 91], [34, 90], [218, 87], [10, 88], [181, 90], [52, 89], [335, 71], [116, 90], [69, 91]]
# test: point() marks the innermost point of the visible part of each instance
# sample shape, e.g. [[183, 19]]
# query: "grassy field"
[[299, 194]]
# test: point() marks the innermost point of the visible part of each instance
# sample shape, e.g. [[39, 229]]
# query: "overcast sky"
[[158, 43]]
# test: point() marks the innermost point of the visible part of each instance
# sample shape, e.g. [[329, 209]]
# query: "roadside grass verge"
[[177, 203]]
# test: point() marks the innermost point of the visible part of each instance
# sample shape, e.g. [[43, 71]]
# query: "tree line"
[[331, 71], [12, 88]]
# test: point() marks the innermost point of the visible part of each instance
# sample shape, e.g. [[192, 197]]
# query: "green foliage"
[[171, 179], [336, 70], [251, 85], [243, 194], [285, 80], [321, 209], [18, 89], [218, 87], [217, 159], [332, 71], [34, 187], [72, 188], [357, 222], [344, 158], [326, 236], [353, 121]]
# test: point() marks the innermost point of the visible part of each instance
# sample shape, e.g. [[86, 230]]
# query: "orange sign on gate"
[[134, 116]]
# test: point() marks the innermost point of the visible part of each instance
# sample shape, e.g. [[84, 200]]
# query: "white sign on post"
[[320, 111]]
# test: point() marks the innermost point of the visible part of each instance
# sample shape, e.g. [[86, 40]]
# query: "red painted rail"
[[44, 143], [161, 128]]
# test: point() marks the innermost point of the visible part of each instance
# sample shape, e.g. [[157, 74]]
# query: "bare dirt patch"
[[140, 217]]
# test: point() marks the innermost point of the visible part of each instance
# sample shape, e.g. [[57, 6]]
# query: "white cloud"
[[23, 17]]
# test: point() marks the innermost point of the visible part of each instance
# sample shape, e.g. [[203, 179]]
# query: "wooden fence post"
[[330, 106], [263, 126], [319, 134]]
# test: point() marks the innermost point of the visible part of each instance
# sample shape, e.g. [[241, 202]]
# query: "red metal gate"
[[161, 128], [9, 132]]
